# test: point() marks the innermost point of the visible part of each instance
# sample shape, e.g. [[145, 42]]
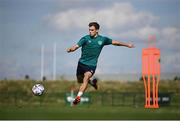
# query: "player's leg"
[[83, 87], [92, 82], [86, 79], [80, 77], [81, 69]]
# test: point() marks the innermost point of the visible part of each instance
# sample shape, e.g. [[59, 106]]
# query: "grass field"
[[86, 112], [17, 102]]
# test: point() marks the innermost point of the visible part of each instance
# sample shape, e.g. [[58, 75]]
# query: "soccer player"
[[92, 45]]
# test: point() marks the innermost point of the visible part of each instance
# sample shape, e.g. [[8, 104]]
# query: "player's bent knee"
[[88, 74]]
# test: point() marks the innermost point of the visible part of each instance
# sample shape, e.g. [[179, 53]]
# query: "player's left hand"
[[130, 45]]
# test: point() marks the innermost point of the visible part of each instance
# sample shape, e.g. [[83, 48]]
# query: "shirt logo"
[[100, 42], [89, 41]]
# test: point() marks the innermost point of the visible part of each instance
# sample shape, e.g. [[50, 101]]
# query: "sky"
[[26, 25]]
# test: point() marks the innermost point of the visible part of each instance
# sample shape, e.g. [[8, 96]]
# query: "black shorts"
[[81, 69]]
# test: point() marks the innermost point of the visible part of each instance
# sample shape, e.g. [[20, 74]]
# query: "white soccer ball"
[[38, 89]]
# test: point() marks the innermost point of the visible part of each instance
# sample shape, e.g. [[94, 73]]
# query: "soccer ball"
[[38, 89]]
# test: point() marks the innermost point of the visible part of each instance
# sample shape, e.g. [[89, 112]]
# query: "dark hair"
[[95, 24]]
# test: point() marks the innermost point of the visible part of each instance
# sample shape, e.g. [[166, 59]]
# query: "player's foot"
[[77, 100], [94, 83]]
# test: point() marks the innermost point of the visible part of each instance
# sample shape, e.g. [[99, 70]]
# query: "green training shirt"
[[91, 48]]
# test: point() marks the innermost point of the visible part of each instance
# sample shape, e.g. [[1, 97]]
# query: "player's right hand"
[[69, 50]]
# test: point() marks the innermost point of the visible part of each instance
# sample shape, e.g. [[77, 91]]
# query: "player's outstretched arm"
[[117, 43], [73, 48]]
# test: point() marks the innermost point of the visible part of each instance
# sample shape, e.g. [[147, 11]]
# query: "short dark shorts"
[[81, 69]]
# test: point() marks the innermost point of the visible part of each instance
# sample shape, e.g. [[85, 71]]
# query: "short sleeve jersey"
[[91, 48]]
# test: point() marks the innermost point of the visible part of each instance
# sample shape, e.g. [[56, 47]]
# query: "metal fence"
[[134, 99], [96, 98]]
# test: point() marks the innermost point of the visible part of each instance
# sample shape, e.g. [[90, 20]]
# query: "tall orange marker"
[[151, 73]]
